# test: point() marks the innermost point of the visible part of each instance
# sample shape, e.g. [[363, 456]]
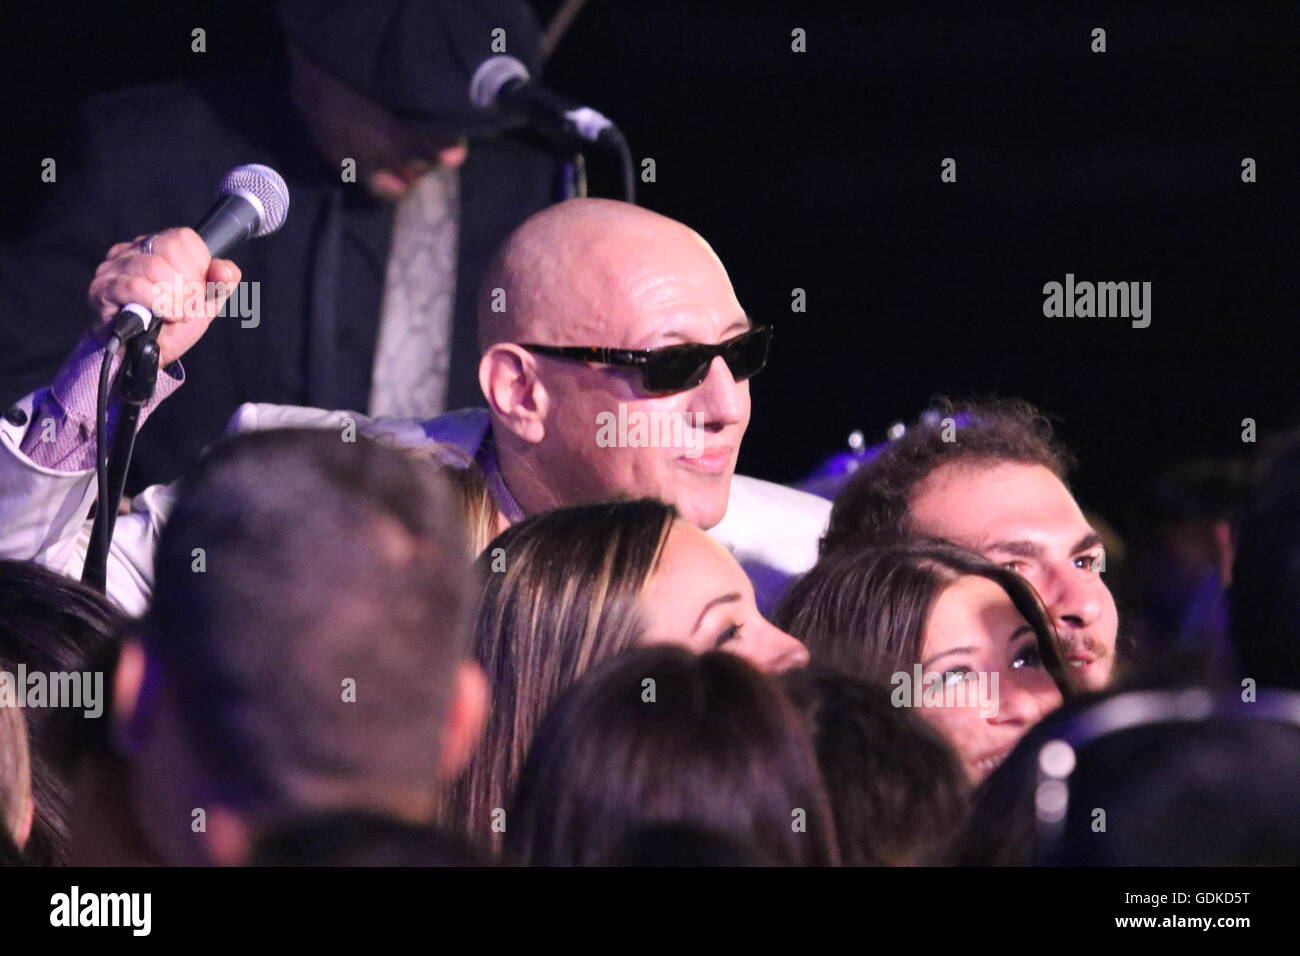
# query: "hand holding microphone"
[[146, 272], [177, 275]]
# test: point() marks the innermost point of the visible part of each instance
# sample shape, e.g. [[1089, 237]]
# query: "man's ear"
[[136, 687], [463, 724], [507, 374]]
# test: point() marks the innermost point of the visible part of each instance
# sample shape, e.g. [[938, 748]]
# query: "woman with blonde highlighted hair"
[[565, 590]]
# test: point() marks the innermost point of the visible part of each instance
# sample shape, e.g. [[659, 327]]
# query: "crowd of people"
[[490, 638]]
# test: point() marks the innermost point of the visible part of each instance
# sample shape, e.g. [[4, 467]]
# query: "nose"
[[772, 650], [1074, 602], [720, 399], [1023, 706]]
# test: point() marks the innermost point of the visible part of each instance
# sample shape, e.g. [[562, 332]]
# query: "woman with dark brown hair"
[[567, 589], [964, 640], [53, 624], [897, 790], [662, 736]]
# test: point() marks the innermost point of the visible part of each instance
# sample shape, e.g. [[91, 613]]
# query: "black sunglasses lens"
[[685, 366], [747, 354], [676, 371]]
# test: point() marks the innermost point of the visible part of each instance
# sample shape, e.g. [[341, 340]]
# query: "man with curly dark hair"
[[990, 476]]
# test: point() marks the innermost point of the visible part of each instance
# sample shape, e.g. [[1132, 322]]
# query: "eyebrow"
[[1021, 549], [1089, 540], [1031, 549], [724, 599], [955, 650]]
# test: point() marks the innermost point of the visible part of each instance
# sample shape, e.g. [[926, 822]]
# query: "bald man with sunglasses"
[[593, 310]]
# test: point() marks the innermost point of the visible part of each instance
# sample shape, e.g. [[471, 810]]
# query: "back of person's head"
[[896, 789], [469, 489], [664, 736], [682, 845], [872, 509], [1265, 591], [15, 772], [1205, 793], [50, 622], [308, 622], [999, 829], [357, 838], [864, 611], [559, 596], [1145, 778], [53, 624]]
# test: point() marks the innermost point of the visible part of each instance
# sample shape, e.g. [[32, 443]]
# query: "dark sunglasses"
[[675, 368]]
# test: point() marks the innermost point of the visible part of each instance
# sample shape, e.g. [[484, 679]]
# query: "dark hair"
[[999, 826], [53, 624], [15, 770], [897, 790], [682, 845], [293, 563], [357, 838], [872, 509], [10, 855], [1210, 791], [864, 611], [660, 736], [1265, 591], [560, 595]]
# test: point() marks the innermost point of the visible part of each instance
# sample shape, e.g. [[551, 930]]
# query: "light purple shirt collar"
[[487, 462]]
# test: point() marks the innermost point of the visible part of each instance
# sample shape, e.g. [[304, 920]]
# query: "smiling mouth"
[[988, 764], [709, 460], [1080, 662]]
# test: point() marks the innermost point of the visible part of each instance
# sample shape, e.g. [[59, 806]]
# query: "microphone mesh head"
[[492, 74], [267, 186]]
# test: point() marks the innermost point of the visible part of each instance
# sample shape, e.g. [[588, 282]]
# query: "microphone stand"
[[138, 375]]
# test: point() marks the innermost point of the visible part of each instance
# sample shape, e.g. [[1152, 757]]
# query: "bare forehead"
[[982, 495], [973, 596], [626, 274]]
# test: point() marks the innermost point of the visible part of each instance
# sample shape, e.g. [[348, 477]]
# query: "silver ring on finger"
[[148, 245]]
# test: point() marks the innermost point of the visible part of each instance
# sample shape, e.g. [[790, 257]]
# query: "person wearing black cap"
[[401, 190]]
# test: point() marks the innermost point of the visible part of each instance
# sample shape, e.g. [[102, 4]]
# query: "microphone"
[[253, 201], [503, 82]]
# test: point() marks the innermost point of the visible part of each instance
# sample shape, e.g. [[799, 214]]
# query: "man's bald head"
[[593, 272], [569, 272]]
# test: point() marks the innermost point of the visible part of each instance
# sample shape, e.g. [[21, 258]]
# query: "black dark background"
[[821, 170]]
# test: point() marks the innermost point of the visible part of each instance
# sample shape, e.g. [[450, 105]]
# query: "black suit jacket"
[[148, 158]]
